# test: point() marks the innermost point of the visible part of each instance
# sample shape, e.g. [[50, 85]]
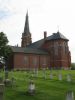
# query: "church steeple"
[[26, 28], [26, 35]]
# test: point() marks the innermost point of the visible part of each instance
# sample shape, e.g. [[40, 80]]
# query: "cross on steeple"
[[58, 28]]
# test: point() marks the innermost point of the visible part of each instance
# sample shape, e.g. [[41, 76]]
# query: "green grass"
[[46, 89]]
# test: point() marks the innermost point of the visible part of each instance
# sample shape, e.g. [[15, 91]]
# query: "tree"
[[5, 49], [72, 66]]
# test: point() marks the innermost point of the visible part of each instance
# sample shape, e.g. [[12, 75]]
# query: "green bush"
[[73, 66]]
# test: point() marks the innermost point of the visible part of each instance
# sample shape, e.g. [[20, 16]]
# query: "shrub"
[[73, 66]]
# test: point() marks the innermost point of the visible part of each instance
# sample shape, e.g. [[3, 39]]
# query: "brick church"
[[49, 52]]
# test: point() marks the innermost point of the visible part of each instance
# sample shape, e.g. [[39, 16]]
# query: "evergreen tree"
[[5, 49]]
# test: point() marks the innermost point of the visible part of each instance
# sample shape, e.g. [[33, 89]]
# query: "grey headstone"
[[69, 78], [70, 95], [44, 73], [13, 82], [7, 82], [51, 75], [6, 74], [31, 87], [1, 91], [60, 76], [1, 80], [35, 72]]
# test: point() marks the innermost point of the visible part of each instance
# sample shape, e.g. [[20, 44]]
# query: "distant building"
[[49, 52]]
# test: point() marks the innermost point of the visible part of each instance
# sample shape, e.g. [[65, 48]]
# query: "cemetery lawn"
[[46, 89]]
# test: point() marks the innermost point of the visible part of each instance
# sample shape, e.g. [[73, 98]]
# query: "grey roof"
[[34, 51], [36, 44], [17, 49], [56, 36], [27, 50], [34, 48]]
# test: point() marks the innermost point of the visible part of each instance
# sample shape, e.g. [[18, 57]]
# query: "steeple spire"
[[26, 35], [26, 28]]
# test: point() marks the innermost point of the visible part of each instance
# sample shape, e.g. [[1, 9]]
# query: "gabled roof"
[[16, 49]]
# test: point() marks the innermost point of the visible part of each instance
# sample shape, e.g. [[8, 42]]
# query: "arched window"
[[56, 48], [26, 60], [44, 61], [65, 47], [34, 61]]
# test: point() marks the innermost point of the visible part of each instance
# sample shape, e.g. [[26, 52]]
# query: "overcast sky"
[[44, 15]]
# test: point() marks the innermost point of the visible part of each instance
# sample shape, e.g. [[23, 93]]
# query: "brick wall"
[[58, 57], [58, 52], [34, 61]]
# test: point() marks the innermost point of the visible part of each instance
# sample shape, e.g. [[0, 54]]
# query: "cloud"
[[4, 14], [4, 11]]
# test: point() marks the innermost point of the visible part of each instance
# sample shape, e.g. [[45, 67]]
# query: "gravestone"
[[1, 91], [31, 88], [1, 80], [68, 78], [6, 74], [44, 73], [60, 76], [35, 72], [12, 79], [7, 81], [51, 75], [13, 82], [70, 95]]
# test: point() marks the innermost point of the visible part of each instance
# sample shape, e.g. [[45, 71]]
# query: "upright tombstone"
[[51, 75], [1, 80], [6, 74], [31, 88], [1, 91], [69, 78], [13, 82], [35, 68], [60, 76], [35, 72], [70, 95], [7, 81], [44, 73]]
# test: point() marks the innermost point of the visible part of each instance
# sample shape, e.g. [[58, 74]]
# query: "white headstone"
[[44, 73], [60, 76], [35, 72], [31, 88], [69, 78], [51, 76], [70, 95]]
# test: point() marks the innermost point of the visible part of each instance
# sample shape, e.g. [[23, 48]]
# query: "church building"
[[49, 52]]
